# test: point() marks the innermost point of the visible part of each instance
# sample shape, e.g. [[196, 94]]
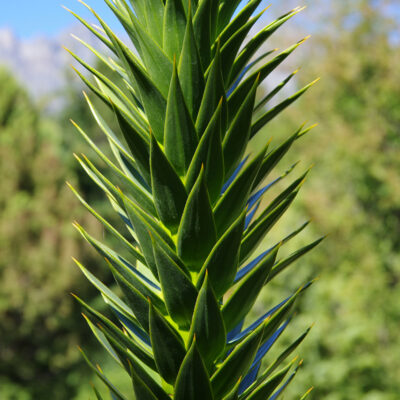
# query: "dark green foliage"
[[193, 382], [237, 363], [167, 188], [178, 290], [197, 233], [168, 347], [239, 304], [208, 325], [180, 137]]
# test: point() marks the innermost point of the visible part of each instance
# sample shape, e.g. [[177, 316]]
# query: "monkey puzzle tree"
[[189, 193]]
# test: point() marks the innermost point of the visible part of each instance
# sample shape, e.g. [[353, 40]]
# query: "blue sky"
[[45, 17], [29, 18]]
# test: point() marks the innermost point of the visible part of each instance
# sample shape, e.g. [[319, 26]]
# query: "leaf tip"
[[266, 8], [294, 359], [315, 81]]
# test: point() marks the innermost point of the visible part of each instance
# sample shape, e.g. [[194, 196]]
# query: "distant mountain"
[[40, 63]]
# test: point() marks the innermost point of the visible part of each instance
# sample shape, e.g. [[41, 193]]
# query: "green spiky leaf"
[[222, 263], [168, 348], [141, 390], [191, 74], [168, 190], [214, 91], [237, 364], [265, 389], [243, 298], [232, 202], [193, 382], [209, 154], [235, 140], [197, 233], [180, 137], [208, 324], [178, 290], [174, 27]]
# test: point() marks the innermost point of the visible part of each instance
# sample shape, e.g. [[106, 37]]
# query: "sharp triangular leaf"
[[236, 364], [191, 73], [141, 390], [235, 140], [193, 382], [109, 329], [254, 236], [154, 11], [234, 394], [243, 298], [174, 27], [168, 190], [209, 154], [179, 293], [180, 137], [270, 114], [265, 389], [222, 263], [213, 93], [208, 325], [283, 264], [197, 234], [234, 200], [138, 146], [168, 348]]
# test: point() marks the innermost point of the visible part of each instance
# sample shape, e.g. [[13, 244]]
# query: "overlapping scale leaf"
[[168, 190], [180, 136], [236, 99], [209, 155], [222, 263], [168, 347], [230, 49], [191, 73], [193, 382], [153, 11], [174, 27], [234, 199], [208, 325], [265, 389], [213, 93], [202, 27], [197, 234], [257, 41], [236, 364], [112, 331], [236, 138], [179, 292], [243, 298]]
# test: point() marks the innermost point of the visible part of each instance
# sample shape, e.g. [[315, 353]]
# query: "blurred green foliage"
[[39, 330]]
